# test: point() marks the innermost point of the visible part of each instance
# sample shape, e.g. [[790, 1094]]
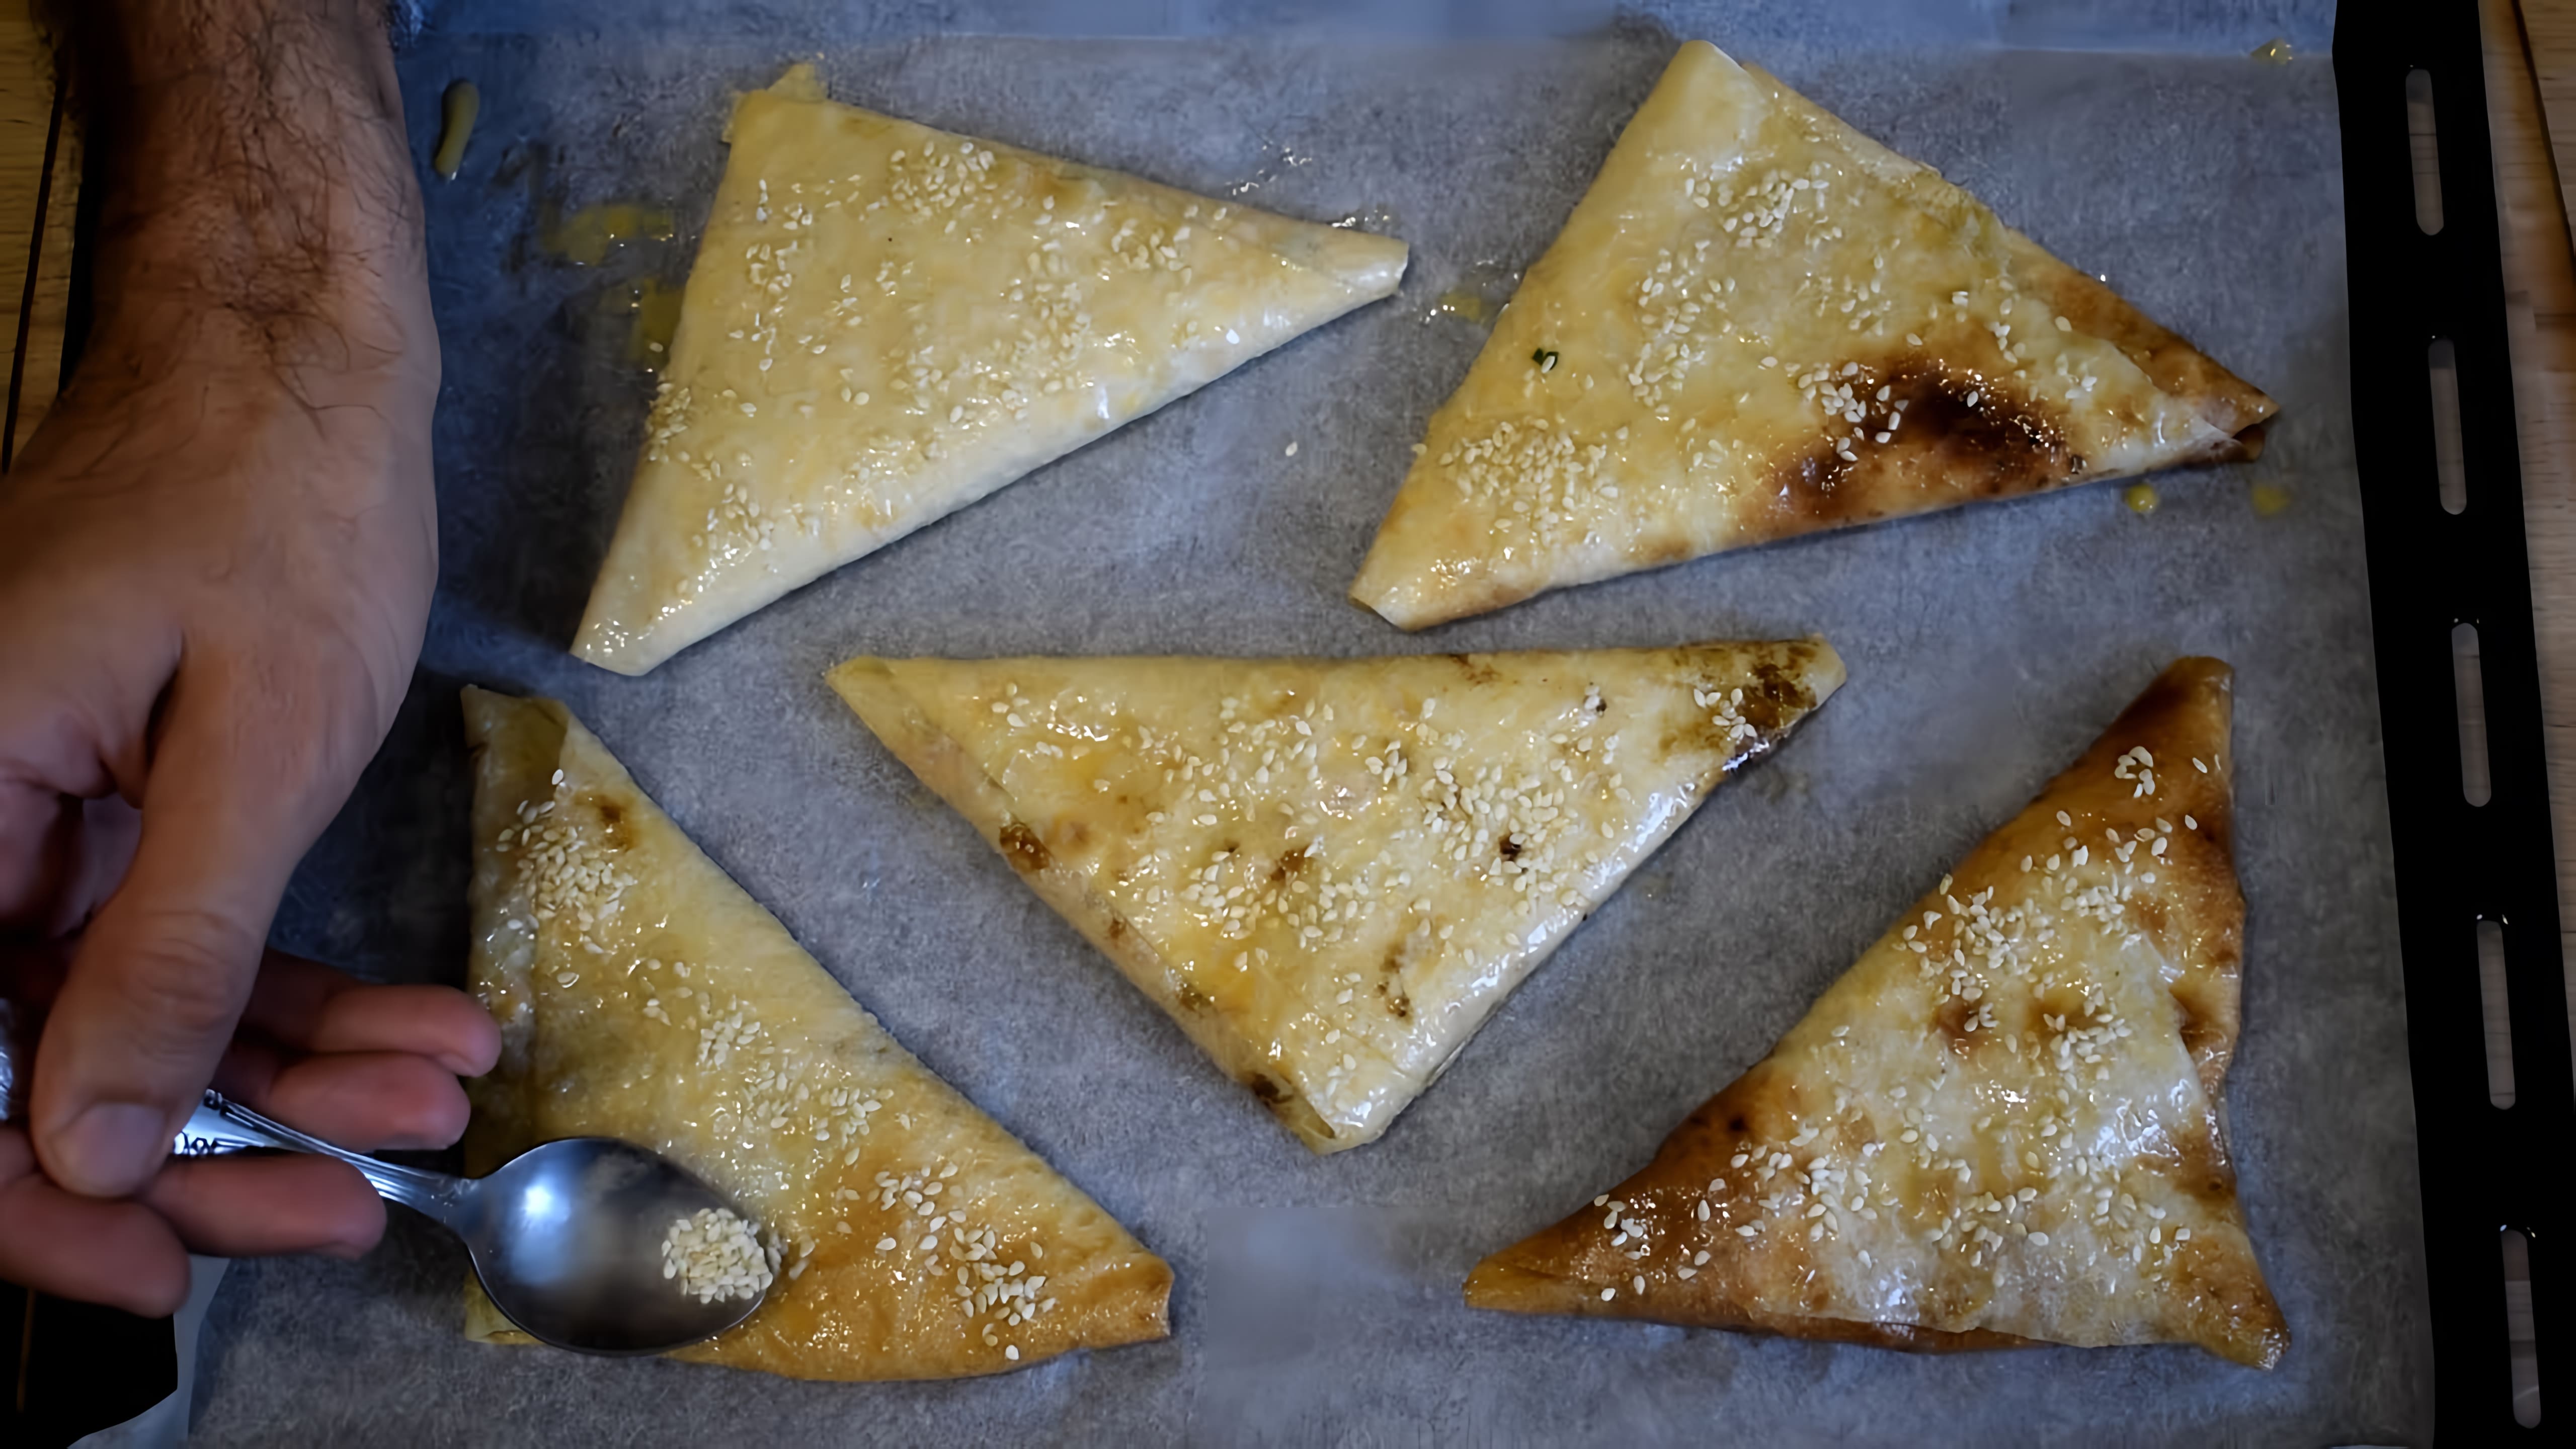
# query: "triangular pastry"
[[1330, 872], [2002, 1125], [887, 322], [1760, 322], [643, 995]]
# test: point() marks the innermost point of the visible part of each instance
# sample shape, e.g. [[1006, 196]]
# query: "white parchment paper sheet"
[[1318, 1299]]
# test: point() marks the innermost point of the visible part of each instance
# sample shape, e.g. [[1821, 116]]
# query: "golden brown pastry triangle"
[[643, 995], [887, 322], [1330, 872], [2002, 1125], [1760, 322]]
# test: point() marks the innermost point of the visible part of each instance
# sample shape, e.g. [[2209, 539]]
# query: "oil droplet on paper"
[[457, 112], [1465, 305], [2141, 498], [653, 308], [2270, 500], [1479, 296], [586, 237], [2275, 51]]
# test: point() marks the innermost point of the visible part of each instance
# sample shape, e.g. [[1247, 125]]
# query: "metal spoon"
[[566, 1237]]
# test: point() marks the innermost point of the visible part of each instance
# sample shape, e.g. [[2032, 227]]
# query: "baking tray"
[[1318, 1299], [2449, 571]]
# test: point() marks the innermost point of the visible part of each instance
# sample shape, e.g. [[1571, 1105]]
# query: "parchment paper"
[[1318, 1300]]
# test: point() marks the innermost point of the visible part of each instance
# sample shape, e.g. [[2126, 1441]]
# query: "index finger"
[[307, 1006]]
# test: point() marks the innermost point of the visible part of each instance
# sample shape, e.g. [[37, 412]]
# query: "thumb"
[[161, 975]]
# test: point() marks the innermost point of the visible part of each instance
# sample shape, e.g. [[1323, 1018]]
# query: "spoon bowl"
[[568, 1238]]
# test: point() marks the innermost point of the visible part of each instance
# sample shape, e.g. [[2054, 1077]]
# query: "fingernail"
[[109, 1150]]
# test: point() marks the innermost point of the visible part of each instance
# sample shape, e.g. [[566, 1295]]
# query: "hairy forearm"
[[256, 192]]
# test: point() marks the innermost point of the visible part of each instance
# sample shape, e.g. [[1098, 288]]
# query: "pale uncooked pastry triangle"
[[643, 995], [2001, 1126], [887, 322], [1760, 322], [1330, 872]]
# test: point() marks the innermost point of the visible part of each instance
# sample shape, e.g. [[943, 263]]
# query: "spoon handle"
[[221, 1124]]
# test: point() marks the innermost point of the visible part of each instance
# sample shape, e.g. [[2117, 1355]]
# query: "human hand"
[[217, 591], [216, 558], [368, 1067]]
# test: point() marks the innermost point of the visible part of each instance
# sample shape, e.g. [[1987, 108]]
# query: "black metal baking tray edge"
[[2487, 1169]]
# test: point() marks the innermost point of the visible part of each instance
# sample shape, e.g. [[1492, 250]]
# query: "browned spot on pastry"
[[1021, 846], [1655, 553], [1475, 668], [612, 825], [1390, 985], [1997, 444], [1510, 848], [1778, 696], [1273, 1095], [1952, 1019], [1289, 864], [1190, 998], [2197, 1165], [2199, 1033], [1773, 699], [1117, 928], [1945, 449], [2203, 1170], [1811, 492]]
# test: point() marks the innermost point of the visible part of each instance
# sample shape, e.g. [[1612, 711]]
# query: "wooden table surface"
[[2531, 105], [2531, 96], [39, 187]]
